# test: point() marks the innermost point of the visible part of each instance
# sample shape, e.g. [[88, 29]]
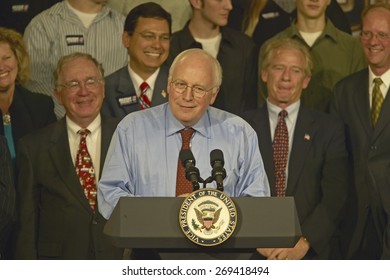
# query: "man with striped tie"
[[362, 102], [142, 83]]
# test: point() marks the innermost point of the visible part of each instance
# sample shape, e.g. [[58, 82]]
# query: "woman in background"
[[22, 111]]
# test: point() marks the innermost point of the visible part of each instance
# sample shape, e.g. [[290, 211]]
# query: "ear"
[[214, 95], [126, 38], [264, 75], [306, 82], [57, 95], [196, 4]]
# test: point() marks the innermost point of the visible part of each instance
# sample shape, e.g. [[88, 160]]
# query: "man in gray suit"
[[59, 166], [142, 83], [362, 101]]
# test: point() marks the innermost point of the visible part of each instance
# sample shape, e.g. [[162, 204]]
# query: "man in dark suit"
[[362, 101], [313, 166], [146, 36], [58, 170], [235, 52], [7, 195]]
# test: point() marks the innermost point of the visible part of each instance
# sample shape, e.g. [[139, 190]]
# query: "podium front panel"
[[153, 222]]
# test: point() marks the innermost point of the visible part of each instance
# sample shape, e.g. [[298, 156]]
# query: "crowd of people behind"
[[93, 93]]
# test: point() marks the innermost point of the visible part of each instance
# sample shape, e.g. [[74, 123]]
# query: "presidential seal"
[[208, 217]]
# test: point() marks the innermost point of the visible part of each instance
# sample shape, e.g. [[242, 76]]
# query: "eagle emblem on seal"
[[208, 215]]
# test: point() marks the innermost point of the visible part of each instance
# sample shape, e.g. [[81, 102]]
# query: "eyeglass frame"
[[74, 85], [380, 36], [151, 36], [193, 89]]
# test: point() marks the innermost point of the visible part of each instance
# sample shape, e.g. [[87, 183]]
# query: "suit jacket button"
[[373, 147], [94, 222]]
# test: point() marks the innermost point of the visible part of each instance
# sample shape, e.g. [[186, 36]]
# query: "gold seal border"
[[214, 194]]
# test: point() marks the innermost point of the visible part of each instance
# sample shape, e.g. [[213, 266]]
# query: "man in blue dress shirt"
[[143, 154]]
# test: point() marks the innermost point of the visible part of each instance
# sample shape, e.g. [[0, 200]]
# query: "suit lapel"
[[384, 117], [126, 89], [303, 136], [60, 155], [361, 101], [108, 128], [160, 87], [261, 122]]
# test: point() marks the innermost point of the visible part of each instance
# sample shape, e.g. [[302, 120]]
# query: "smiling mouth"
[[84, 102], [4, 74], [187, 107], [153, 54], [375, 50]]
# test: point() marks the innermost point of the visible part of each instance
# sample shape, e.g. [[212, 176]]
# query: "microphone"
[[192, 173], [217, 162]]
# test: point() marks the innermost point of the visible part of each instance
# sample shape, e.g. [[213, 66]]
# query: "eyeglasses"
[[381, 36], [151, 37], [198, 91], [74, 85]]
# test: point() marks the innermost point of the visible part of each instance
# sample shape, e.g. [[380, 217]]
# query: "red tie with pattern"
[[280, 154], [182, 184], [144, 101], [85, 170]]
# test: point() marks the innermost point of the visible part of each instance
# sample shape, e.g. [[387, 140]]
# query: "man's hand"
[[297, 253]]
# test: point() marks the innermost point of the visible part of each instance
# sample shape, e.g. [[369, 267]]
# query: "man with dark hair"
[[142, 83], [180, 10]]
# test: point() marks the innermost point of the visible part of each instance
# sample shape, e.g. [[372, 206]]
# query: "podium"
[[153, 222]]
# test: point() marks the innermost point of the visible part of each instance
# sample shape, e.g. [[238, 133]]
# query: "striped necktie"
[[144, 101], [377, 101]]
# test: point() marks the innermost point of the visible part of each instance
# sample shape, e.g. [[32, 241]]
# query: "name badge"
[[270, 15], [74, 40], [127, 100], [20, 8]]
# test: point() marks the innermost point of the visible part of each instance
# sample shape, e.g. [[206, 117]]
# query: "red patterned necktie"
[[280, 154], [144, 101], [182, 184], [85, 170]]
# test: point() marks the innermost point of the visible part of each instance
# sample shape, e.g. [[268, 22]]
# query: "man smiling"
[[59, 167], [142, 83], [143, 155]]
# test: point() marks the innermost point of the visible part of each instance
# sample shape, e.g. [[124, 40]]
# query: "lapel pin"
[[164, 94], [306, 137]]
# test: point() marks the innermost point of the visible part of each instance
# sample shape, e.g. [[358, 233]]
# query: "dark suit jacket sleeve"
[[7, 193], [27, 203], [321, 224], [251, 83]]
